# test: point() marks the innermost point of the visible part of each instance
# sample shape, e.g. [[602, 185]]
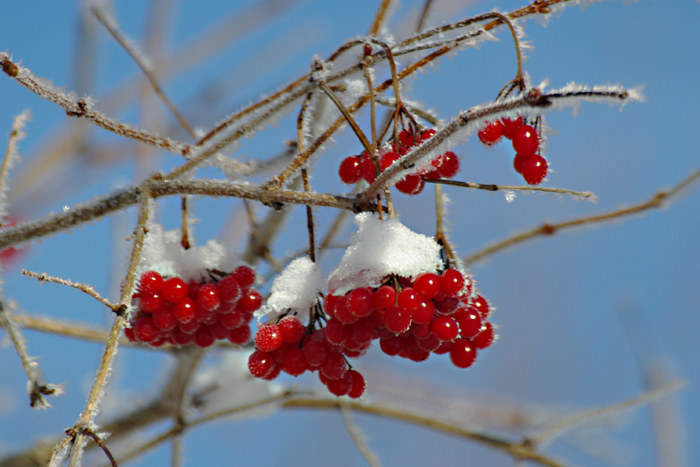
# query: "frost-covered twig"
[[43, 277], [82, 107], [358, 437], [468, 121], [11, 156], [36, 388], [142, 63], [578, 418], [658, 200], [492, 187]]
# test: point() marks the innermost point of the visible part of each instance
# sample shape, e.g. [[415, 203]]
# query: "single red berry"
[[429, 343], [406, 138], [491, 133], [443, 348], [184, 310], [451, 282], [510, 125], [485, 337], [427, 134], [208, 297], [203, 337], [387, 159], [444, 328], [231, 320], [342, 311], [463, 353], [189, 328], [384, 297], [534, 169], [469, 322], [480, 304], [369, 168], [260, 363], [427, 285], [174, 289], [397, 319], [334, 366], [164, 319], [151, 281], [129, 334], [240, 335], [268, 338], [204, 316], [229, 289], [350, 170], [145, 329], [357, 388], [424, 312], [292, 330], [409, 298], [410, 185], [447, 164], [525, 140], [518, 162], [249, 302], [420, 331], [390, 345], [294, 362], [336, 332], [150, 302], [245, 276], [359, 302], [341, 386], [446, 306], [315, 353]]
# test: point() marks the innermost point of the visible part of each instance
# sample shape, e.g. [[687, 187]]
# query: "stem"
[[379, 17]]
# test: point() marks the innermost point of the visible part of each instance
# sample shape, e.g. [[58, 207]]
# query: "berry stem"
[[349, 118], [518, 81]]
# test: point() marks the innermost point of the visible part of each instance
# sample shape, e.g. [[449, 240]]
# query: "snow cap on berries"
[[162, 252], [297, 287], [380, 248]]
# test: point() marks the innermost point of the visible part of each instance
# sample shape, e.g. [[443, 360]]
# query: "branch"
[[492, 187], [76, 285]]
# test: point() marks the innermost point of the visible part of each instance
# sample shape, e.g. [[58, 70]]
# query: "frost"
[[12, 157], [510, 195], [297, 287], [380, 248], [162, 252], [356, 88], [228, 385]]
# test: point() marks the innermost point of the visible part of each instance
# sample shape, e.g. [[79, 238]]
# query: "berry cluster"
[[169, 310], [411, 318], [526, 142], [355, 168]]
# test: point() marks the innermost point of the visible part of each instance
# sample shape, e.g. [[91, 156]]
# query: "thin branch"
[[358, 437], [80, 108], [568, 423], [145, 67], [37, 389], [16, 135], [492, 187], [379, 17], [423, 15], [43, 277], [658, 200]]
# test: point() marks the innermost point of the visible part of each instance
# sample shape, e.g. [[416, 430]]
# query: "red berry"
[[350, 170], [268, 338], [397, 319], [427, 285], [410, 185], [406, 138], [369, 168], [315, 353], [409, 298], [145, 329], [525, 140], [334, 366], [294, 362], [485, 337], [292, 330], [174, 289], [164, 319], [447, 165], [357, 388], [240, 335], [341, 386], [150, 302], [384, 297], [518, 162], [336, 332], [444, 328], [387, 159], [229, 289], [534, 169], [203, 337], [189, 328], [231, 320], [390, 345], [424, 312], [480, 304], [249, 302], [359, 302], [260, 363], [427, 134], [491, 133], [463, 353], [245, 276], [184, 310], [208, 297], [451, 282], [446, 306], [469, 322], [151, 281], [510, 125]]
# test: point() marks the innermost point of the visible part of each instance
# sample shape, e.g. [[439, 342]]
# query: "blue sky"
[[582, 315]]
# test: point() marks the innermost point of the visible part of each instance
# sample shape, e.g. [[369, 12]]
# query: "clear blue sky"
[[579, 313]]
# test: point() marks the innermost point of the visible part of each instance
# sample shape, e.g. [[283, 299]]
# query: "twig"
[[37, 389], [423, 15], [568, 423], [358, 437], [656, 201], [493, 187], [43, 277], [379, 17], [16, 135]]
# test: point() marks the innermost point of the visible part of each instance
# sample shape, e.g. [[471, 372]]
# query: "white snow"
[[380, 248]]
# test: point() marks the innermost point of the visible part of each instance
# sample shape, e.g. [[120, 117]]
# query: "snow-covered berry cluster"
[[526, 143], [363, 167], [170, 310], [412, 318]]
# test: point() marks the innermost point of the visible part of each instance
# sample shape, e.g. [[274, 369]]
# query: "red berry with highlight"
[[525, 140], [444, 328], [292, 330], [174, 289], [463, 353], [350, 170], [268, 338], [491, 133], [534, 169], [151, 281]]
